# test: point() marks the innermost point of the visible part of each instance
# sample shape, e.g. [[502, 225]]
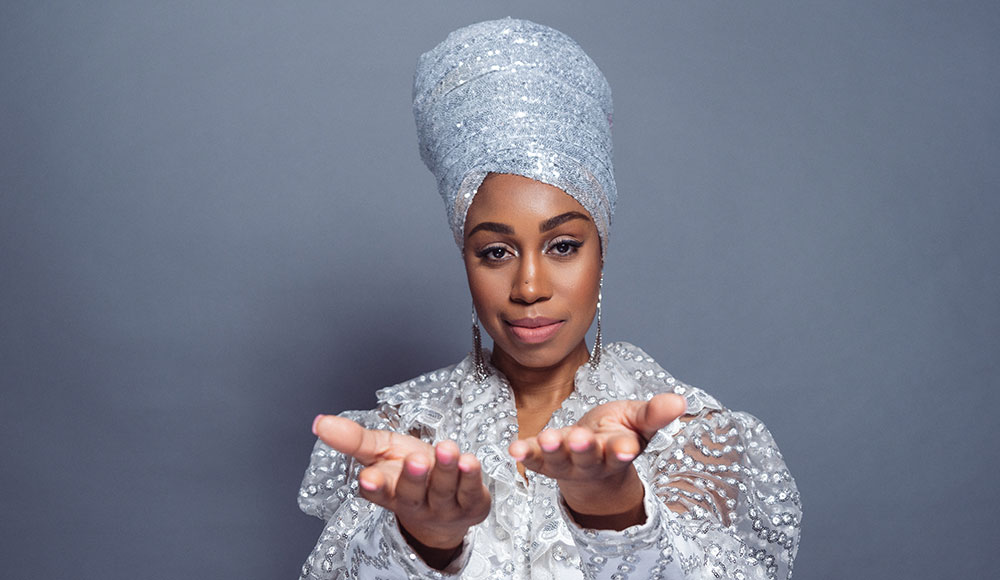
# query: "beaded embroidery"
[[720, 502]]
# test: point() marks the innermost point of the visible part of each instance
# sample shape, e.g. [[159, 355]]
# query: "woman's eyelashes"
[[564, 247], [560, 248], [494, 254]]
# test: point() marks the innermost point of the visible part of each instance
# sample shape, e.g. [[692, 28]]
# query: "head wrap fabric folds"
[[512, 96]]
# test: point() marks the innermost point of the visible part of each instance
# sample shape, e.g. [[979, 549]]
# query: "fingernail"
[[465, 466], [579, 446], [367, 485], [316, 422], [416, 469], [443, 457], [625, 456], [548, 446]]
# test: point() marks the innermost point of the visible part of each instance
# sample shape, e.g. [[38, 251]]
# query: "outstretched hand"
[[592, 460], [436, 492]]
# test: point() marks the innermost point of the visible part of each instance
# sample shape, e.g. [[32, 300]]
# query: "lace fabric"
[[720, 502]]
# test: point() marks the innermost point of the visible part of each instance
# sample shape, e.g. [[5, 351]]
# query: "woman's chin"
[[538, 357]]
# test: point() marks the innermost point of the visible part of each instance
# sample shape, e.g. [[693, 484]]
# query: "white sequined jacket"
[[720, 502]]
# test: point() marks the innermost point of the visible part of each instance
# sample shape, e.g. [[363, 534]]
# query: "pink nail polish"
[[466, 466], [443, 457], [367, 485], [416, 469], [625, 456], [578, 446], [316, 422]]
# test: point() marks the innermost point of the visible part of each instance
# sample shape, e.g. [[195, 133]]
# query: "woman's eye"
[[565, 247], [494, 253]]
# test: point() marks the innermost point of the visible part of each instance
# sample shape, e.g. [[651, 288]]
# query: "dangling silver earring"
[[595, 355], [480, 372]]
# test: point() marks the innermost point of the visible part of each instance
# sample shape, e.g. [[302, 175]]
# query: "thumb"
[[658, 412], [347, 437]]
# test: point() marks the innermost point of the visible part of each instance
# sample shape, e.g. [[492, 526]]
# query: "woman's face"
[[533, 258]]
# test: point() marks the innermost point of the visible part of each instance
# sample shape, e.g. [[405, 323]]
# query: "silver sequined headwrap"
[[512, 96]]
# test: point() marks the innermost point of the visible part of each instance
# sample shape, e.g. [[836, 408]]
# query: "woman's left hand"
[[592, 460]]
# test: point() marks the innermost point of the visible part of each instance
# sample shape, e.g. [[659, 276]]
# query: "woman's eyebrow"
[[561, 219], [492, 227]]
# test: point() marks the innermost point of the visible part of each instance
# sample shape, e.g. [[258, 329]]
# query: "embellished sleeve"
[[361, 539], [720, 503]]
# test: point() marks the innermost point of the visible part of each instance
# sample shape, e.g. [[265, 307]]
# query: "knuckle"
[[410, 504], [439, 509]]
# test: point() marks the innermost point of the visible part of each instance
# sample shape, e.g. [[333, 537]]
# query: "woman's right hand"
[[436, 492]]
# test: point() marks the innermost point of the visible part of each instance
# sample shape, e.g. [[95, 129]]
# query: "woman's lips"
[[533, 330]]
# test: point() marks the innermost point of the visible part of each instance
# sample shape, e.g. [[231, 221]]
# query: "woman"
[[541, 459]]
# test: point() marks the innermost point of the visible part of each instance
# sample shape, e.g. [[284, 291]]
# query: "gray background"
[[214, 223]]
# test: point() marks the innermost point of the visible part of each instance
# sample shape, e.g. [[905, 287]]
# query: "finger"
[[620, 450], [348, 437], [524, 449], [657, 413], [471, 492], [584, 450], [528, 452], [555, 454], [411, 489], [374, 486], [443, 479]]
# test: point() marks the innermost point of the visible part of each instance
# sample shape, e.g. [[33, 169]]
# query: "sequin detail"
[[720, 502], [512, 96]]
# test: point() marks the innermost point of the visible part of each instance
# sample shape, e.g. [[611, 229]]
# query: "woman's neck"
[[541, 388]]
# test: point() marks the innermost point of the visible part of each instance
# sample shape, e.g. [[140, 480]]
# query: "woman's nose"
[[530, 284]]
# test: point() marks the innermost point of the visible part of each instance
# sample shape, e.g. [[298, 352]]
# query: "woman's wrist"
[[613, 504], [436, 557], [618, 522]]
